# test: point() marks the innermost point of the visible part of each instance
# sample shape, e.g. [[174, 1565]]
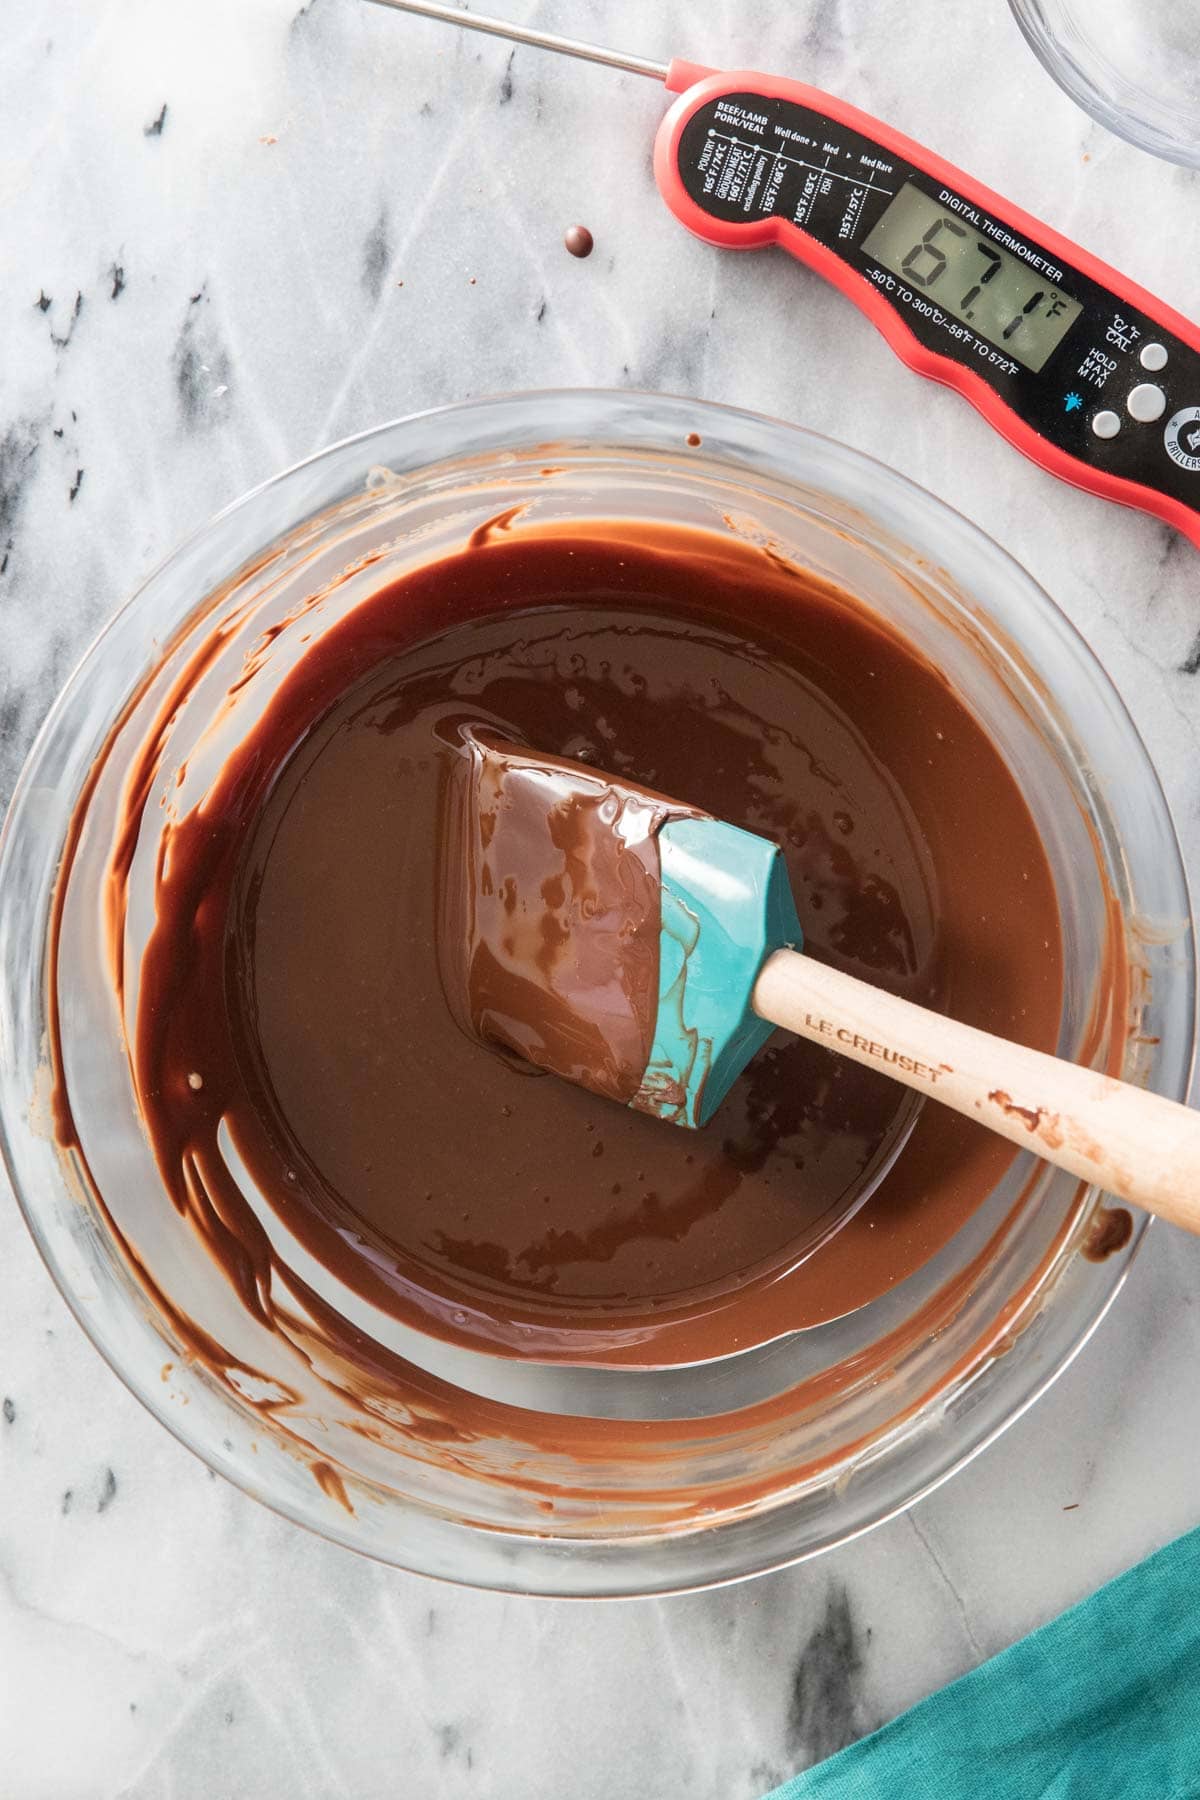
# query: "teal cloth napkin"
[[1102, 1704]]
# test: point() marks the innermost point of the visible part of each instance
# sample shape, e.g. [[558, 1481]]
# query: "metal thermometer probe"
[[1080, 368]]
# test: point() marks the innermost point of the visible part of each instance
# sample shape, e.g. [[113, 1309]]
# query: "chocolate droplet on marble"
[[579, 240]]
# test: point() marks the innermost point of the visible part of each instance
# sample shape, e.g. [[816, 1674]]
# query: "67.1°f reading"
[[1012, 306]]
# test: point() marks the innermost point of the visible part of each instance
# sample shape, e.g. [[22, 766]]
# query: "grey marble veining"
[[235, 230]]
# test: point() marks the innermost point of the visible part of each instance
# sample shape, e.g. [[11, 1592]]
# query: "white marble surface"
[[236, 229]]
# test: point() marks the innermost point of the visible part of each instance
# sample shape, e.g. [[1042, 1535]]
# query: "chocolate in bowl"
[[290, 991], [497, 1468]]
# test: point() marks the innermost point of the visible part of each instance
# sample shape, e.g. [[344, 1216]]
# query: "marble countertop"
[[235, 230]]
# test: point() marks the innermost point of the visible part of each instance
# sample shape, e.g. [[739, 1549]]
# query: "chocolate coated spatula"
[[645, 950]]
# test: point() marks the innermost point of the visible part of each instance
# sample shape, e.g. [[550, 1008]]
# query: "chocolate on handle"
[[1135, 1145]]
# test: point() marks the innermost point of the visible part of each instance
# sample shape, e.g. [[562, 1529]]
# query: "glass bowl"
[[615, 1482], [1134, 65]]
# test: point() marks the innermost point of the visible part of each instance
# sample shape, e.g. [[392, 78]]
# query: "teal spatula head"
[[601, 931], [725, 904]]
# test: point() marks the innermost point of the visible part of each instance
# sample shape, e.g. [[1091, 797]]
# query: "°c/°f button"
[[1154, 357], [1106, 424]]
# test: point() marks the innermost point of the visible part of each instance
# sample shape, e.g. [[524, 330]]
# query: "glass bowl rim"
[[1147, 127], [831, 457]]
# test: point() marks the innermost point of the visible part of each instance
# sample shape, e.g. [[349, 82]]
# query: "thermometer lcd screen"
[[958, 264]]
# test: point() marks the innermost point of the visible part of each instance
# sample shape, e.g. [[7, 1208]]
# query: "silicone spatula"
[[637, 946]]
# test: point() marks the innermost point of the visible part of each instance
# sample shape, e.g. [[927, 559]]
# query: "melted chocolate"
[[1110, 1231], [549, 891], [294, 963]]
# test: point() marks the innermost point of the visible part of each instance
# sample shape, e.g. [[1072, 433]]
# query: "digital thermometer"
[[1085, 372]]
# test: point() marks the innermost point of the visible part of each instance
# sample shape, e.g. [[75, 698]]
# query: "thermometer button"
[[1106, 424], [1146, 403], [1154, 357]]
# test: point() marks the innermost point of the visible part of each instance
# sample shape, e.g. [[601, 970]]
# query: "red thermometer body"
[[1083, 370]]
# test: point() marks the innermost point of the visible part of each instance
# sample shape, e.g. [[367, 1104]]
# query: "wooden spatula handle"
[[1130, 1143]]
